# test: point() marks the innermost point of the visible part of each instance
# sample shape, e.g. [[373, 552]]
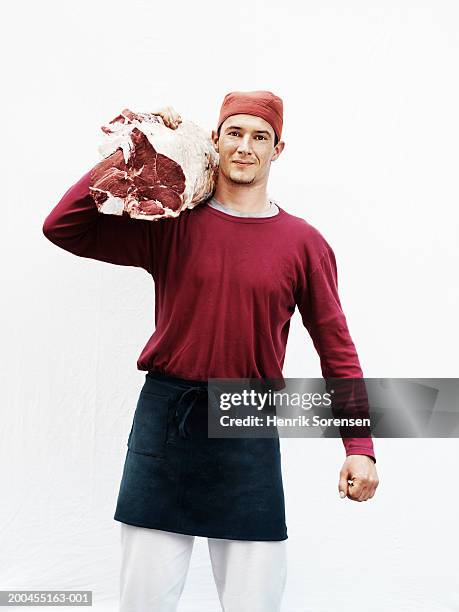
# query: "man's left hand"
[[361, 470]]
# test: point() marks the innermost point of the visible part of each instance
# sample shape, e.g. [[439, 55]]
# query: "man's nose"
[[244, 145]]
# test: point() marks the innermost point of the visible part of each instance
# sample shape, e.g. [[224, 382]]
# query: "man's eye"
[[259, 135]]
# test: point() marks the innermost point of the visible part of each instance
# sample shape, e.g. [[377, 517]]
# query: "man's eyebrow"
[[235, 127]]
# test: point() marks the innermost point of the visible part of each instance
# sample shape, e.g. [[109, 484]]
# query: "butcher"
[[228, 276]]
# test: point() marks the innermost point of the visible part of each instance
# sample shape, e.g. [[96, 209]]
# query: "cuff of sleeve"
[[359, 446]]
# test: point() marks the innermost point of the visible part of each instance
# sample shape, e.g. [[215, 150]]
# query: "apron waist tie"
[[198, 392]]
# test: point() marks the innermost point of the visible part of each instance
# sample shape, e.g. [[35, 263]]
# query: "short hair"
[[276, 140]]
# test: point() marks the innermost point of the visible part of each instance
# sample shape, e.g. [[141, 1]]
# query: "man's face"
[[248, 139]]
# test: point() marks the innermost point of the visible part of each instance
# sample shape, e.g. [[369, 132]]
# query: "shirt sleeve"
[[76, 225], [320, 308]]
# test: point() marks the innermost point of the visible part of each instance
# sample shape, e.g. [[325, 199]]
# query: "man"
[[228, 275]]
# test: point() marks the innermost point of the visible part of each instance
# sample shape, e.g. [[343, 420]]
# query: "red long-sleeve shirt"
[[225, 288]]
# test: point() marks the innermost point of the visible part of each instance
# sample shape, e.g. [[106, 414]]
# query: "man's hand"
[[169, 116], [361, 470]]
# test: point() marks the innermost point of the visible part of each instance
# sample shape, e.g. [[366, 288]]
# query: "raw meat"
[[152, 171]]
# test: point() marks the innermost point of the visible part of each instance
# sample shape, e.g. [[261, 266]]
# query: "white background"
[[371, 127]]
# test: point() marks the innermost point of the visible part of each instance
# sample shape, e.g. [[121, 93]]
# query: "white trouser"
[[249, 576]]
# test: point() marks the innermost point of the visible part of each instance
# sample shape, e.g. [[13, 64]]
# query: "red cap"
[[262, 104]]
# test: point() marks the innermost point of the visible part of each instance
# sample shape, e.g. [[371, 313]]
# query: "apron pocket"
[[149, 428]]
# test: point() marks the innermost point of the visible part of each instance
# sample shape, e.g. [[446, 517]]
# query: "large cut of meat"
[[150, 170]]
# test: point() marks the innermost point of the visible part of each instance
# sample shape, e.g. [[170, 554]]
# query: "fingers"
[[169, 116], [362, 490], [371, 483], [356, 490]]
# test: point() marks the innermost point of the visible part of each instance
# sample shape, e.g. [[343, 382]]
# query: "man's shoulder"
[[305, 232]]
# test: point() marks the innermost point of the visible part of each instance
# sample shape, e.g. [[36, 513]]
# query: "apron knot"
[[194, 394]]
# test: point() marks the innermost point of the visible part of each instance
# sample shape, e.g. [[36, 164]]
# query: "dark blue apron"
[[176, 478]]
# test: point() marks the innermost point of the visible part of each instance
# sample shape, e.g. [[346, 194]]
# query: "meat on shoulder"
[[150, 171]]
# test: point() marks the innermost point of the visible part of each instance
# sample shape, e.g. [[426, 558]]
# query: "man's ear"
[[278, 150], [215, 139]]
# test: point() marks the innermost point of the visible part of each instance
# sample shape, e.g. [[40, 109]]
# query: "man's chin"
[[241, 180]]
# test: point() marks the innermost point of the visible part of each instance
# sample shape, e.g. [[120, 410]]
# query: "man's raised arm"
[[76, 225]]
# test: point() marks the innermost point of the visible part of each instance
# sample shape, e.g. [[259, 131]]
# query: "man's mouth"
[[243, 163]]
